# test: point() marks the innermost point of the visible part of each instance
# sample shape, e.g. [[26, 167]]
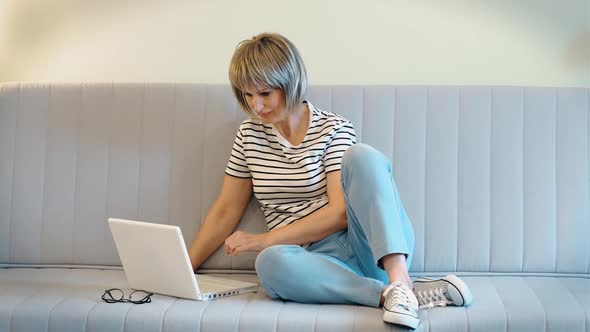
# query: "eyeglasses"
[[115, 295]]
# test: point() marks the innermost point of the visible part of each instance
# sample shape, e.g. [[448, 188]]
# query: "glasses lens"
[[112, 295], [116, 294], [140, 296]]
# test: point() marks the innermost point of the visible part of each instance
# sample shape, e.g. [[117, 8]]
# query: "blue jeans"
[[345, 267]]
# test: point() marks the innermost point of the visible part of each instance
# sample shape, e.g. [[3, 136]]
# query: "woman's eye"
[[265, 93]]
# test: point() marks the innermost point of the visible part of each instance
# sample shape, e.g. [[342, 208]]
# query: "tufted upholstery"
[[496, 181]]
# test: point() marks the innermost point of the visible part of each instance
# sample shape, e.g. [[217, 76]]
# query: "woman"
[[338, 232]]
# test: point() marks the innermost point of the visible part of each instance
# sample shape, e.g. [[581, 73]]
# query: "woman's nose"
[[257, 103]]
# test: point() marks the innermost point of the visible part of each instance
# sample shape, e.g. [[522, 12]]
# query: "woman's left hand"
[[240, 242]]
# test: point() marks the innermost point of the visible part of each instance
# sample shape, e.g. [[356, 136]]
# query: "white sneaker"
[[450, 290], [400, 306]]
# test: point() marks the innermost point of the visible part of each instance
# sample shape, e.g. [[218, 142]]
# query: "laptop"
[[155, 259]]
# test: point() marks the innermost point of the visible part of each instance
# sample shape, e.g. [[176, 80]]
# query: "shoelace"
[[399, 296], [432, 297]]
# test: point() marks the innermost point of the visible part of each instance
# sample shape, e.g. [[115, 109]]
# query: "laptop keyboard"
[[209, 284], [210, 288]]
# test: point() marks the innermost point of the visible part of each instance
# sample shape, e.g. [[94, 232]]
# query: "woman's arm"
[[221, 219], [316, 226]]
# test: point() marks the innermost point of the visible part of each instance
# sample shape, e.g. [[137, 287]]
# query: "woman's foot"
[[400, 305], [450, 290]]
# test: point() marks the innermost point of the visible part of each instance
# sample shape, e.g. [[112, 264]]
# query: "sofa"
[[495, 179]]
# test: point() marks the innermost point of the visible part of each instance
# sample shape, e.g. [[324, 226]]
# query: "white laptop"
[[155, 259]]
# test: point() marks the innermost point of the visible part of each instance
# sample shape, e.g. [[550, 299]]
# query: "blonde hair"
[[268, 60]]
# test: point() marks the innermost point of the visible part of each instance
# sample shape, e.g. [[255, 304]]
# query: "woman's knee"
[[363, 157], [272, 266], [274, 259]]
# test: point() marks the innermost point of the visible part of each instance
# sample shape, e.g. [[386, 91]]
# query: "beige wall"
[[498, 42]]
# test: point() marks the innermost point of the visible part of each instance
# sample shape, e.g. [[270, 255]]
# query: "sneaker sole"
[[401, 319], [461, 287]]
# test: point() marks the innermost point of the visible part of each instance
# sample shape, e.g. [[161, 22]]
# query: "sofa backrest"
[[494, 179]]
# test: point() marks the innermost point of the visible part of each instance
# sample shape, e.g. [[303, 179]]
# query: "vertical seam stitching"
[[491, 177], [277, 316], [556, 229], [25, 299], [427, 96], [538, 300], [48, 326], [362, 124], [172, 153], [125, 319], [467, 319], [330, 100], [239, 320], [523, 200], [44, 180], [362, 112], [490, 239], [76, 170], [88, 314], [505, 312], [207, 304], [14, 144], [140, 141], [205, 104], [573, 296], [109, 152], [162, 327], [315, 319], [457, 241], [394, 118]]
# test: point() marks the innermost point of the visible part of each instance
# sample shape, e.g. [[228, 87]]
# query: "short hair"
[[272, 61]]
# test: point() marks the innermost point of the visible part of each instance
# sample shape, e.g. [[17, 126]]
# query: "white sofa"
[[495, 180]]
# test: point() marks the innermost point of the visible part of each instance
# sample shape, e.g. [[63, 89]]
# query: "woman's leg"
[[379, 230], [293, 273]]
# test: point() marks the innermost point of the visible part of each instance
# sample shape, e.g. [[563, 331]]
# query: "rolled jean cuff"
[[381, 252], [376, 297]]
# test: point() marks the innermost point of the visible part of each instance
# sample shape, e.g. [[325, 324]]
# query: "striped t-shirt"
[[290, 181]]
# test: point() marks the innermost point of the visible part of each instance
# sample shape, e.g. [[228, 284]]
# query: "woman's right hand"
[[240, 242]]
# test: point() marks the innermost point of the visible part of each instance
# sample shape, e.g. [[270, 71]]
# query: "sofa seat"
[[59, 299]]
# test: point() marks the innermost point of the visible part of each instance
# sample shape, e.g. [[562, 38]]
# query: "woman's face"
[[267, 103]]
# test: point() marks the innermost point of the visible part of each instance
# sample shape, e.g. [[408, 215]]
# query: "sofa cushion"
[[69, 300]]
